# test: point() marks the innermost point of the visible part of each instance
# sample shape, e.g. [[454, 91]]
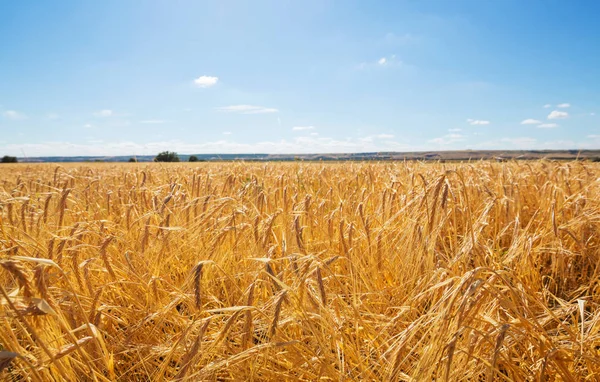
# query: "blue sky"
[[140, 76]]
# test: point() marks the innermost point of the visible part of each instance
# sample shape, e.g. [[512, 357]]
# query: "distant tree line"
[[9, 159], [171, 156], [167, 156]]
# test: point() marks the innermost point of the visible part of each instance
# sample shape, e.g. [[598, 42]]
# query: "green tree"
[[167, 156], [9, 159], [133, 160], [193, 158]]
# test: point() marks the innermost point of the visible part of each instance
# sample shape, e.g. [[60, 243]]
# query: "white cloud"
[[389, 61], [520, 142], [526, 143], [88, 126], [448, 139], [548, 126], [476, 122], [555, 114], [53, 116], [13, 115], [530, 121], [153, 122], [104, 113], [300, 145], [247, 109], [454, 130], [547, 106], [594, 136], [314, 134], [206, 81], [563, 105], [302, 128], [385, 136], [567, 144], [227, 133]]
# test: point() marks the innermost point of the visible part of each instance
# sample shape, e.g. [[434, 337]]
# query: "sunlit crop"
[[300, 271]]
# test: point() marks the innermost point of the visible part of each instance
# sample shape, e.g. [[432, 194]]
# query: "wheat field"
[[399, 271]]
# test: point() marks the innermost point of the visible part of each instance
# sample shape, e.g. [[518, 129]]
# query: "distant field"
[[401, 271], [455, 155]]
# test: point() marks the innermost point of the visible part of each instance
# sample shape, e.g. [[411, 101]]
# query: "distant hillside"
[[425, 156]]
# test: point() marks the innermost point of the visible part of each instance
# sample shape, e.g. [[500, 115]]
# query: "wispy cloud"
[[479, 122], [153, 122], [530, 121], [563, 105], [302, 128], [555, 114], [448, 139], [206, 81], [300, 145], [53, 116], [548, 126], [520, 142], [13, 115], [384, 136], [454, 130], [247, 109], [547, 106], [382, 62], [88, 126], [104, 113]]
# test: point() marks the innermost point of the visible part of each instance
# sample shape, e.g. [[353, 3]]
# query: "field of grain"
[[300, 271]]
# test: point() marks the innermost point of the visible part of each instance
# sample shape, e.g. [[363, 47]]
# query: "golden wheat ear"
[[393, 271]]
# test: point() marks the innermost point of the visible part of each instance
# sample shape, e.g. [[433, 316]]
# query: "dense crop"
[[387, 271]]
